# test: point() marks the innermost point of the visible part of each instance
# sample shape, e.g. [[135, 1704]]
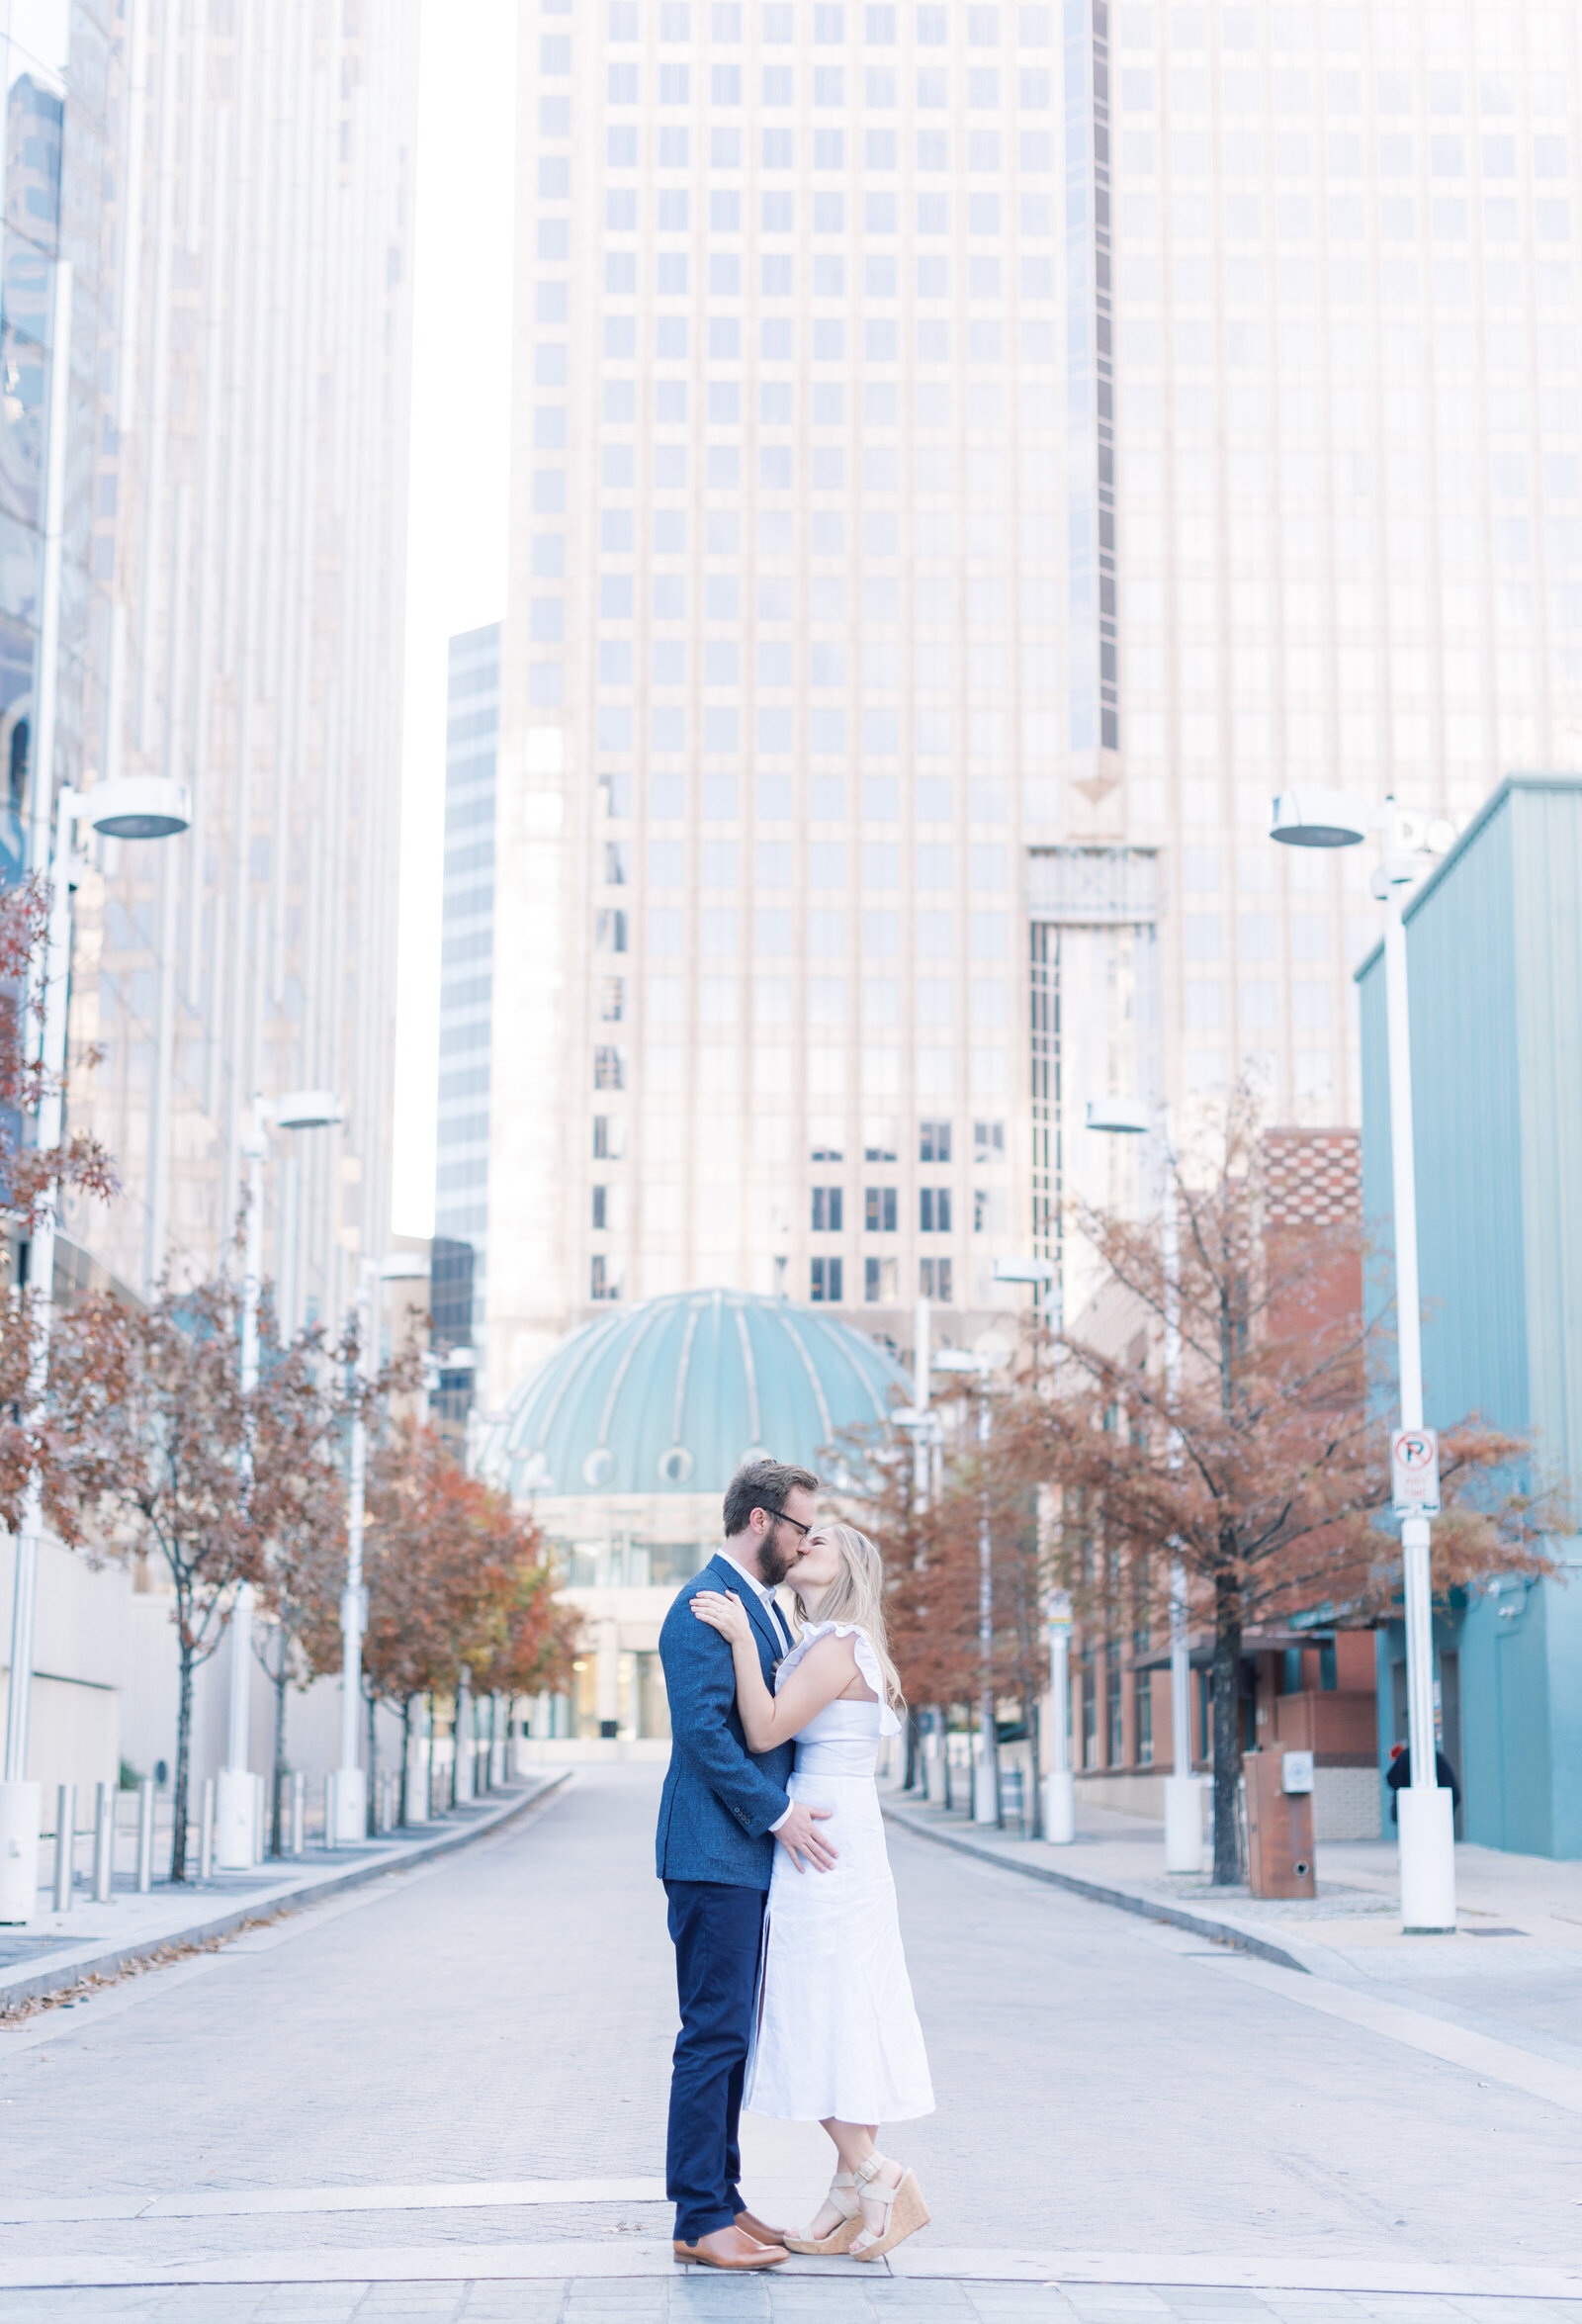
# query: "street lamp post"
[[236, 1823], [986, 1775], [1426, 1810], [137, 807], [351, 1780], [1060, 1782], [1184, 1792]]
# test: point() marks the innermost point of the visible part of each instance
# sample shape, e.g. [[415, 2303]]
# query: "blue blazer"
[[719, 1799]]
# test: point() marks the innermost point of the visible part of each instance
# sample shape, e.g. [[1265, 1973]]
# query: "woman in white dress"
[[836, 2038]]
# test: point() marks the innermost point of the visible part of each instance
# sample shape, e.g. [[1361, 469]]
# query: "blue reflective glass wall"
[[56, 203]]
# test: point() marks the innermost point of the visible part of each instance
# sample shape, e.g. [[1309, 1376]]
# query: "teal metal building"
[[1494, 945]]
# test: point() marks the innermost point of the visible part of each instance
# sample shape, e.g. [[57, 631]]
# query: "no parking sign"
[[1415, 1471]]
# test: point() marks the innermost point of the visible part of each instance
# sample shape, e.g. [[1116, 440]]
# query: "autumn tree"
[[931, 1543], [1266, 1471], [456, 1580], [298, 1511], [164, 1432]]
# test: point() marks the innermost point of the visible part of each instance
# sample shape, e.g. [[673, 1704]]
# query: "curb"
[[1099, 1891], [34, 1985]]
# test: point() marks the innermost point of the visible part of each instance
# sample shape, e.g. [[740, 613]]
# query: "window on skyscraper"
[[933, 1142], [826, 1281], [828, 1204], [879, 1282], [934, 1280], [879, 1209]]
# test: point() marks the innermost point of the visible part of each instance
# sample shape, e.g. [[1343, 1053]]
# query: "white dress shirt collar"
[[765, 1595]]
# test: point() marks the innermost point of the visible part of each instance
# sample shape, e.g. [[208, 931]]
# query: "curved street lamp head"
[[307, 1109], [139, 807], [1318, 818], [1128, 1117]]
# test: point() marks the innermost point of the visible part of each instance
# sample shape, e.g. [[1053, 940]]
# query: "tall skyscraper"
[[240, 464], [466, 1018], [967, 458]]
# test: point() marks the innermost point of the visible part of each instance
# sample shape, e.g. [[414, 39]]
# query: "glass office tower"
[[966, 459], [466, 1017]]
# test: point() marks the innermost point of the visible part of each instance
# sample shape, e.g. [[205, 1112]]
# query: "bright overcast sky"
[[456, 545]]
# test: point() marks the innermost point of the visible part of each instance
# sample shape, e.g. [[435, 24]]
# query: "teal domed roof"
[[671, 1395]]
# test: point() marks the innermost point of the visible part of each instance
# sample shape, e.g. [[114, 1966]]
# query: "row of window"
[[721, 928], [880, 1141], [986, 152], [880, 1281], [881, 276], [930, 340], [827, 862], [880, 211], [934, 88], [832, 25], [829, 1203], [774, 731], [825, 1285], [821, 798], [1294, 93]]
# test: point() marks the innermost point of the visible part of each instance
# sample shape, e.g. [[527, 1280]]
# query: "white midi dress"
[[834, 2029]]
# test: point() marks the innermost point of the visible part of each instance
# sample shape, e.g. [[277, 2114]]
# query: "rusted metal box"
[[1279, 1824]]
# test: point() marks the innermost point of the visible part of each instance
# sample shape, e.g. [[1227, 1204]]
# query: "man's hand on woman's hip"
[[801, 1838]]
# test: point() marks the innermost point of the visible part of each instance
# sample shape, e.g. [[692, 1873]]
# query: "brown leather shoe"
[[758, 2232], [727, 2246]]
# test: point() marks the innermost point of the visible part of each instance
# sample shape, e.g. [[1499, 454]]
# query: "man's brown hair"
[[762, 1485]]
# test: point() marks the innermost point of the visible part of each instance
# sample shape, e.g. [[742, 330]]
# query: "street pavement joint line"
[[649, 2257], [206, 2202], [1476, 2053]]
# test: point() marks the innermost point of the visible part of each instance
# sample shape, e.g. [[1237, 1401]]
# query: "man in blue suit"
[[722, 1811]]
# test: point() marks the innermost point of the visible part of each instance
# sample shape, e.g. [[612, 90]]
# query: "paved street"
[[1105, 2087]]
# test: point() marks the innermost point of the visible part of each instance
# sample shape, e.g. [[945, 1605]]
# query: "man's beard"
[[775, 1560]]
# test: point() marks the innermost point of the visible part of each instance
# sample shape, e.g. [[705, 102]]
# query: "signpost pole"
[[1425, 1812]]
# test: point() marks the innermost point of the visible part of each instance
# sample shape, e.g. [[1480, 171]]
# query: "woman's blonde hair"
[[856, 1595]]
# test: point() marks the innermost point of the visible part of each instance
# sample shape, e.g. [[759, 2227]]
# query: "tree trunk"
[[909, 1775], [277, 1813], [373, 1760], [178, 1833], [1227, 1731], [1033, 1808], [407, 1756], [510, 1736]]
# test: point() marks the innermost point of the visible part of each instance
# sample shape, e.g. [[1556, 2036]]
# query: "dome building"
[[622, 1444]]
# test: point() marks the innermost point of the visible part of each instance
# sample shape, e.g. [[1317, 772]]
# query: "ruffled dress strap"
[[867, 1663]]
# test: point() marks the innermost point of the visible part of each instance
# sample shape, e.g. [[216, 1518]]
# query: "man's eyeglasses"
[[780, 1516]]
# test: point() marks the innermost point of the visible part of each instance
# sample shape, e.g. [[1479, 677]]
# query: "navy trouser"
[[716, 1932]]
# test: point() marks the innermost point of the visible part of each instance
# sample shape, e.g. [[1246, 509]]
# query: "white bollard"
[[1060, 1806], [330, 1811], [21, 1810], [1184, 1797], [104, 1844], [234, 1819], [65, 1843], [206, 1830], [298, 1813], [146, 1835]]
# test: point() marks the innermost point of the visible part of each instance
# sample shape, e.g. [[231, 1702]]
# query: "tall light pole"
[[1060, 1782], [1183, 1794], [1425, 1808], [986, 1775], [136, 807], [234, 1792], [351, 1779]]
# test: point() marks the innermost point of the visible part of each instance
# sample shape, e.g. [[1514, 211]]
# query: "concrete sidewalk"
[[1351, 1930], [60, 1950]]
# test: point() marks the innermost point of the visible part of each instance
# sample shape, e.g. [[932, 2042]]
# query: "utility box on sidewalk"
[[1279, 1824]]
